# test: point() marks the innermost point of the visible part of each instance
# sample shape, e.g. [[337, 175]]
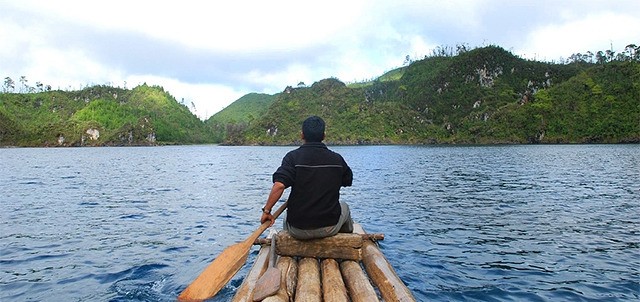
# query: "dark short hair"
[[313, 129]]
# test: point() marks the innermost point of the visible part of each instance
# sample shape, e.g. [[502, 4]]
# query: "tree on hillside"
[[631, 53], [9, 84], [610, 55], [23, 82], [407, 61], [193, 108]]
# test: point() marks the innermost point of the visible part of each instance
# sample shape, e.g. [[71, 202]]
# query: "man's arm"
[[274, 196], [347, 175]]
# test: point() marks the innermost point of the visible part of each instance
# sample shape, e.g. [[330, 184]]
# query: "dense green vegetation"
[[236, 117], [480, 96], [600, 104], [98, 115]]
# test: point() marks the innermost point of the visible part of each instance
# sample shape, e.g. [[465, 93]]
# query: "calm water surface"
[[499, 223]]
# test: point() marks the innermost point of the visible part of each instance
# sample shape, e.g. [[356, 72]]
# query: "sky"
[[208, 54]]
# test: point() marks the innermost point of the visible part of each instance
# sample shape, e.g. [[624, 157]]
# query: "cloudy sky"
[[213, 52]]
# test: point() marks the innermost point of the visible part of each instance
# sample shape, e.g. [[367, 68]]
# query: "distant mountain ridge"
[[243, 111], [482, 96]]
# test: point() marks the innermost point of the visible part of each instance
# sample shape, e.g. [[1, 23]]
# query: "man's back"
[[315, 175]]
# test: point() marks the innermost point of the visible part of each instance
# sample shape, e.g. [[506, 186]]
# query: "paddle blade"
[[218, 273], [224, 267], [267, 285]]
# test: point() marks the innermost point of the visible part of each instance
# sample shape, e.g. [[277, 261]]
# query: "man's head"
[[313, 129]]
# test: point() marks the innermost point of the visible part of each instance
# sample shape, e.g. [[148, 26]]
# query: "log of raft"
[[365, 236], [344, 267], [245, 291], [382, 273], [333, 287], [308, 288], [360, 289]]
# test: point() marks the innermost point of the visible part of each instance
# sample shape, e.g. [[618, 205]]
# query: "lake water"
[[496, 223]]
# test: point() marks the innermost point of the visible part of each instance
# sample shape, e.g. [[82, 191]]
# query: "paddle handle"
[[266, 224], [280, 210]]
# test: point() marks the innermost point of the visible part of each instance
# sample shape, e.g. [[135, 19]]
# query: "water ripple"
[[502, 223]]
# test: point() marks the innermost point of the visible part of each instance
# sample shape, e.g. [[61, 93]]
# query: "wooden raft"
[[328, 269]]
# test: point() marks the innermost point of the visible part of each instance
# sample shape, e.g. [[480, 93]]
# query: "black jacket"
[[315, 175]]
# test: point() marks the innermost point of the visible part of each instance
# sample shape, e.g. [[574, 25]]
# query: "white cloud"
[[213, 52], [14, 38], [68, 68], [419, 47], [594, 32], [277, 81], [239, 25]]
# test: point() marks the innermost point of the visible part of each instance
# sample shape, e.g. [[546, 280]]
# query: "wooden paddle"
[[224, 267], [269, 282]]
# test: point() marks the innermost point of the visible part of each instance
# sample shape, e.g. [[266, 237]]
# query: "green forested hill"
[[481, 96], [98, 115], [238, 115], [486, 95], [244, 110], [600, 104], [352, 117]]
